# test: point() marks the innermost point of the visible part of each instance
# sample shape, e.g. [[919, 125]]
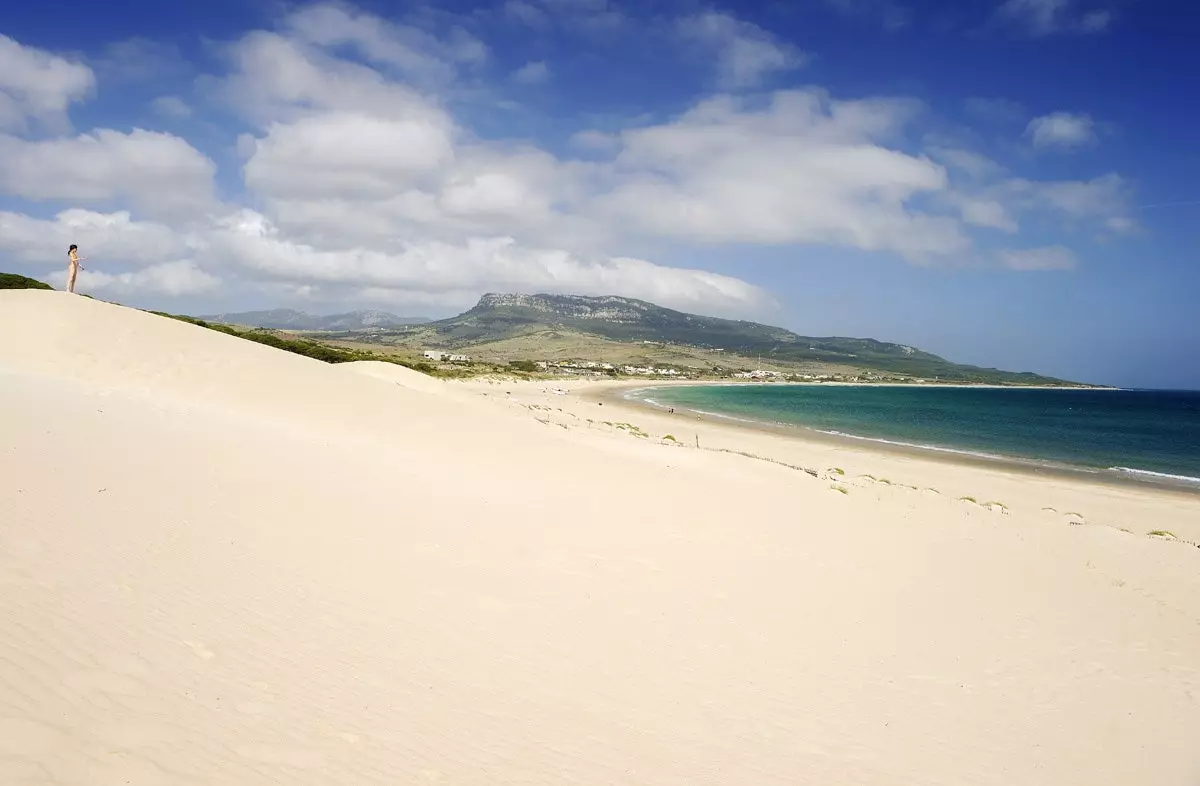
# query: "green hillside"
[[14, 281], [500, 317]]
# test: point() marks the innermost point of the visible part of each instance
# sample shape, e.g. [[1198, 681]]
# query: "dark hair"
[[72, 248]]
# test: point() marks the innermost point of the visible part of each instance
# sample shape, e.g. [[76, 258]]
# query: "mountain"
[[497, 317], [288, 319]]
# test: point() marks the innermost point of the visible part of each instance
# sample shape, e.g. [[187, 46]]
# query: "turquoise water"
[[1137, 432]]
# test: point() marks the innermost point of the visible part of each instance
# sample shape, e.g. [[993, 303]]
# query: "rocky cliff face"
[[604, 309]]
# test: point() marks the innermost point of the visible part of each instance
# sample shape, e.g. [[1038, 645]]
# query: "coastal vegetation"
[[15, 281], [626, 336]]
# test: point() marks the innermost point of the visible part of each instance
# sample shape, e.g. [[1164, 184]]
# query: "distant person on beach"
[[73, 266]]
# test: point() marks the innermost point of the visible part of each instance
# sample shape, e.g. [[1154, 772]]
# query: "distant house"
[[444, 357]]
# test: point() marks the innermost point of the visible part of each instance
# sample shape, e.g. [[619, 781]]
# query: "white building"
[[444, 357]]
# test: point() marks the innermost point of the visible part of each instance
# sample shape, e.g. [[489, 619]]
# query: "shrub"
[[523, 365], [14, 281]]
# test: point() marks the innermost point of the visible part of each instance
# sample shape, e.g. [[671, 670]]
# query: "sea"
[[1151, 435]]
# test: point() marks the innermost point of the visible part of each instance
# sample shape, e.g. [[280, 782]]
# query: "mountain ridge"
[[497, 316], [291, 319]]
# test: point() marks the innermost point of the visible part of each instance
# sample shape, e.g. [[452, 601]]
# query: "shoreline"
[[620, 393]]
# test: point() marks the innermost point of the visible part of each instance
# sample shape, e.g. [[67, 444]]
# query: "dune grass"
[[314, 349]]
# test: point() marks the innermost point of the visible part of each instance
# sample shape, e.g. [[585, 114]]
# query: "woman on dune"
[[73, 266]]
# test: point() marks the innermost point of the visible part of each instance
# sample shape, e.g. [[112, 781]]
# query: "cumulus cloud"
[[1061, 130], [746, 54], [160, 174], [340, 153], [173, 279], [1045, 17], [1045, 258], [110, 239], [805, 169], [38, 85], [250, 240], [364, 185]]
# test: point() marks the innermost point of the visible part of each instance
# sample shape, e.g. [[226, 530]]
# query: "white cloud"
[[341, 153], [746, 53], [276, 79], [365, 186], [415, 52], [1045, 17], [803, 170], [251, 241], [1061, 130], [972, 164], [532, 73], [106, 239], [1045, 258], [172, 279], [595, 140], [1102, 198], [989, 214], [158, 173], [171, 106], [35, 84], [1102, 204]]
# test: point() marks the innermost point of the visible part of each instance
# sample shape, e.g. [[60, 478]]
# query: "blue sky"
[[1002, 182]]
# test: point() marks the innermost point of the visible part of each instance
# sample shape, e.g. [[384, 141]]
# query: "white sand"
[[224, 564]]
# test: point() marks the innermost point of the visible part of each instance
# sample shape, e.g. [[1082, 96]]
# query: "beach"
[[226, 564]]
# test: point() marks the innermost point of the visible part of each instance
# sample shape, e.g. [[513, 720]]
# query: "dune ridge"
[[224, 564]]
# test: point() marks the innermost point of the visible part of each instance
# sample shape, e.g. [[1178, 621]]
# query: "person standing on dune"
[[73, 266]]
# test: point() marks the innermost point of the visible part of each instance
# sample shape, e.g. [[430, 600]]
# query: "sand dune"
[[224, 564]]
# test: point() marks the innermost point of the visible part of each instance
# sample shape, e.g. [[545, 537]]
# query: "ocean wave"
[[728, 417], [1159, 475], [920, 446]]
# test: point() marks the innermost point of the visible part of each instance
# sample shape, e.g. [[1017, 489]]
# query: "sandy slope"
[[222, 564]]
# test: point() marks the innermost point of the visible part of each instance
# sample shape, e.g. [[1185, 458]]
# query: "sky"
[[1009, 183]]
